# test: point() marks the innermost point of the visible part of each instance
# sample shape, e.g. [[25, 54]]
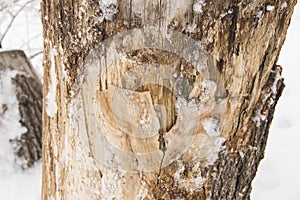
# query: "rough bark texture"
[[29, 95], [236, 169], [243, 38]]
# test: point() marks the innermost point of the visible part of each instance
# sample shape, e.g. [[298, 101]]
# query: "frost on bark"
[[90, 96], [28, 88]]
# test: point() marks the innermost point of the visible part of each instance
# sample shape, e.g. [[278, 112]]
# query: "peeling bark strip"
[[243, 39], [29, 95]]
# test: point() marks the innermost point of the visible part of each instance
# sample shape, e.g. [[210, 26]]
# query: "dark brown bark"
[[29, 95], [236, 169]]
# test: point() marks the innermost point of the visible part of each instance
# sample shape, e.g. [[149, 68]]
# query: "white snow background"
[[278, 174]]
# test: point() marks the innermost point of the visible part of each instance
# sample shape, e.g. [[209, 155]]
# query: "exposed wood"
[[243, 40], [29, 95]]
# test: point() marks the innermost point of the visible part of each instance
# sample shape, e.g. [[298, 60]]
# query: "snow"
[[20, 184], [109, 9], [198, 6], [242, 154], [209, 86], [230, 11], [259, 14], [211, 126], [277, 78], [270, 8], [9, 111], [283, 6], [258, 117], [51, 96], [9, 114], [175, 75], [108, 2], [190, 184]]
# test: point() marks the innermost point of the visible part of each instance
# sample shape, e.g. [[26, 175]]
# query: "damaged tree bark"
[[29, 95], [226, 90]]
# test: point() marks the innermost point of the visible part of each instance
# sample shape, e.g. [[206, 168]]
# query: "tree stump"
[[28, 91]]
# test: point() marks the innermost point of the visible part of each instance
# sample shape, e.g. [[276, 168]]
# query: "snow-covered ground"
[[278, 175]]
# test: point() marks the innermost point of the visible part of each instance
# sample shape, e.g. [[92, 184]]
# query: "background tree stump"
[[29, 95]]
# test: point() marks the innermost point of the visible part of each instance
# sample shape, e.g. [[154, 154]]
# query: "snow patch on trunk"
[[198, 6], [211, 126], [270, 8], [51, 108], [109, 9], [191, 183], [283, 6]]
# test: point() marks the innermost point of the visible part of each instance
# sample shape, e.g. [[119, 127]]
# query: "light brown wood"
[[90, 146]]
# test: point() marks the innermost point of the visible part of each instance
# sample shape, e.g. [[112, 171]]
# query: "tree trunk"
[[158, 99], [29, 95]]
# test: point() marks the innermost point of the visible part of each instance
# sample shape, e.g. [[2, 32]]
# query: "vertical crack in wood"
[[163, 148], [232, 30], [160, 14], [130, 13]]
